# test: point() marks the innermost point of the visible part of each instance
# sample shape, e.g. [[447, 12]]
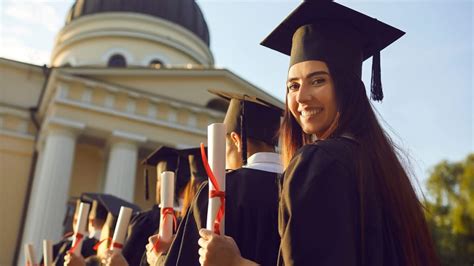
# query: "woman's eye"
[[293, 86], [318, 81]]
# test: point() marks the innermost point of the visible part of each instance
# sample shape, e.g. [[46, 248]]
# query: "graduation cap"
[[106, 203], [168, 159], [196, 166], [162, 163], [251, 116], [330, 32]]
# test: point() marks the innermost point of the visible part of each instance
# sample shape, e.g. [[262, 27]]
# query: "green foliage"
[[450, 210]]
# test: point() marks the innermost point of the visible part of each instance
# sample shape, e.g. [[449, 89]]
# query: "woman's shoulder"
[[340, 150]]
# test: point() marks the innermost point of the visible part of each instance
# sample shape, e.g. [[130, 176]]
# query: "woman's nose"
[[304, 94]]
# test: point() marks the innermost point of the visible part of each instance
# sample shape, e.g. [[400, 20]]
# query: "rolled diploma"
[[81, 226], [216, 157], [167, 201], [122, 226], [48, 252], [29, 255]]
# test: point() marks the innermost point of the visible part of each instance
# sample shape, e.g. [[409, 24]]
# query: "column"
[[122, 164], [47, 201]]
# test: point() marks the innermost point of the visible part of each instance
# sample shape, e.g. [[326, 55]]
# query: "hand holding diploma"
[[220, 250], [154, 251], [71, 259]]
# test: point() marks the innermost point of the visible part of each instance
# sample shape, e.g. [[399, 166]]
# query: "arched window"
[[117, 60], [157, 63], [218, 105]]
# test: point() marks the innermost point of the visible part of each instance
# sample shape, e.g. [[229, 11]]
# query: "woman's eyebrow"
[[310, 75]]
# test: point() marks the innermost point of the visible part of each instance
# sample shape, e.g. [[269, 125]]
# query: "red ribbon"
[[97, 245], [165, 212], [78, 237], [117, 245], [216, 193], [114, 244]]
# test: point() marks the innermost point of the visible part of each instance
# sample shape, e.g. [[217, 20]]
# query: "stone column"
[[50, 192], [122, 164]]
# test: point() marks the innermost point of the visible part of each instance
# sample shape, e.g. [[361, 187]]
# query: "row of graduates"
[[252, 189], [344, 197]]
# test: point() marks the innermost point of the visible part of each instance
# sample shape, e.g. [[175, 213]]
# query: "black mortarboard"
[[169, 159], [108, 203], [196, 166], [252, 117], [330, 32], [164, 158]]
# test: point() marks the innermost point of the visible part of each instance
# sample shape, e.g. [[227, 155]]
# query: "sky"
[[427, 75]]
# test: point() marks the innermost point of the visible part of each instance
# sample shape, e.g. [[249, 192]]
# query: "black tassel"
[[147, 185], [376, 84], [243, 132]]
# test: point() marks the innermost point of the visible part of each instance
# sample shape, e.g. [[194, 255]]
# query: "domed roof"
[[182, 12]]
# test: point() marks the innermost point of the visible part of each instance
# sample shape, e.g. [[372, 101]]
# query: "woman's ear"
[[236, 140]]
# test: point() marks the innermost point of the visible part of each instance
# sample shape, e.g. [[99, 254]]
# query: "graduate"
[[146, 224], [111, 204], [346, 198], [251, 186], [97, 217]]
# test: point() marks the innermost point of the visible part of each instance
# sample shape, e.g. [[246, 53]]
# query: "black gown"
[[251, 217], [141, 228], [61, 248], [319, 213]]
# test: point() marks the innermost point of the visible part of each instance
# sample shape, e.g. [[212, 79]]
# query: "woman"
[[346, 198]]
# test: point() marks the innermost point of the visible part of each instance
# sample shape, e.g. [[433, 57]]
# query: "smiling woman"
[[311, 98], [346, 198]]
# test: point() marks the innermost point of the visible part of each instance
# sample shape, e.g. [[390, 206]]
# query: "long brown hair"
[[378, 158]]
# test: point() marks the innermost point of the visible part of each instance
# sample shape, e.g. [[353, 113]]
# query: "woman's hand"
[[72, 259], [153, 253], [115, 258], [219, 250]]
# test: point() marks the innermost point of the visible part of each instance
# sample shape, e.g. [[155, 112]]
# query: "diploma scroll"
[[48, 252], [167, 204], [121, 228], [216, 151], [81, 228], [29, 255]]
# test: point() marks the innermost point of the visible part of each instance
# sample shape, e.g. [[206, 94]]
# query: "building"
[[125, 77]]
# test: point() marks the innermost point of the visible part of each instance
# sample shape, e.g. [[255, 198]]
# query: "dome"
[[185, 13]]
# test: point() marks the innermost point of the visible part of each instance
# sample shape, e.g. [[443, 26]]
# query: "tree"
[[450, 210]]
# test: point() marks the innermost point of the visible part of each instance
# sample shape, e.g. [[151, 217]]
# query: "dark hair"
[[377, 158]]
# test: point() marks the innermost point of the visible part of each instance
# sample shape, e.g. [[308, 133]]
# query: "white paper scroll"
[[48, 252], [216, 156], [81, 227], [29, 255], [167, 201], [121, 228]]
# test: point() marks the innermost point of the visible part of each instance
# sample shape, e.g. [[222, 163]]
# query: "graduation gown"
[[250, 218], [60, 249], [319, 212], [141, 228]]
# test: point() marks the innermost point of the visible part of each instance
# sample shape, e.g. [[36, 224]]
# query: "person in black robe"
[[60, 249], [346, 198], [147, 223], [195, 174], [102, 205], [251, 206]]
